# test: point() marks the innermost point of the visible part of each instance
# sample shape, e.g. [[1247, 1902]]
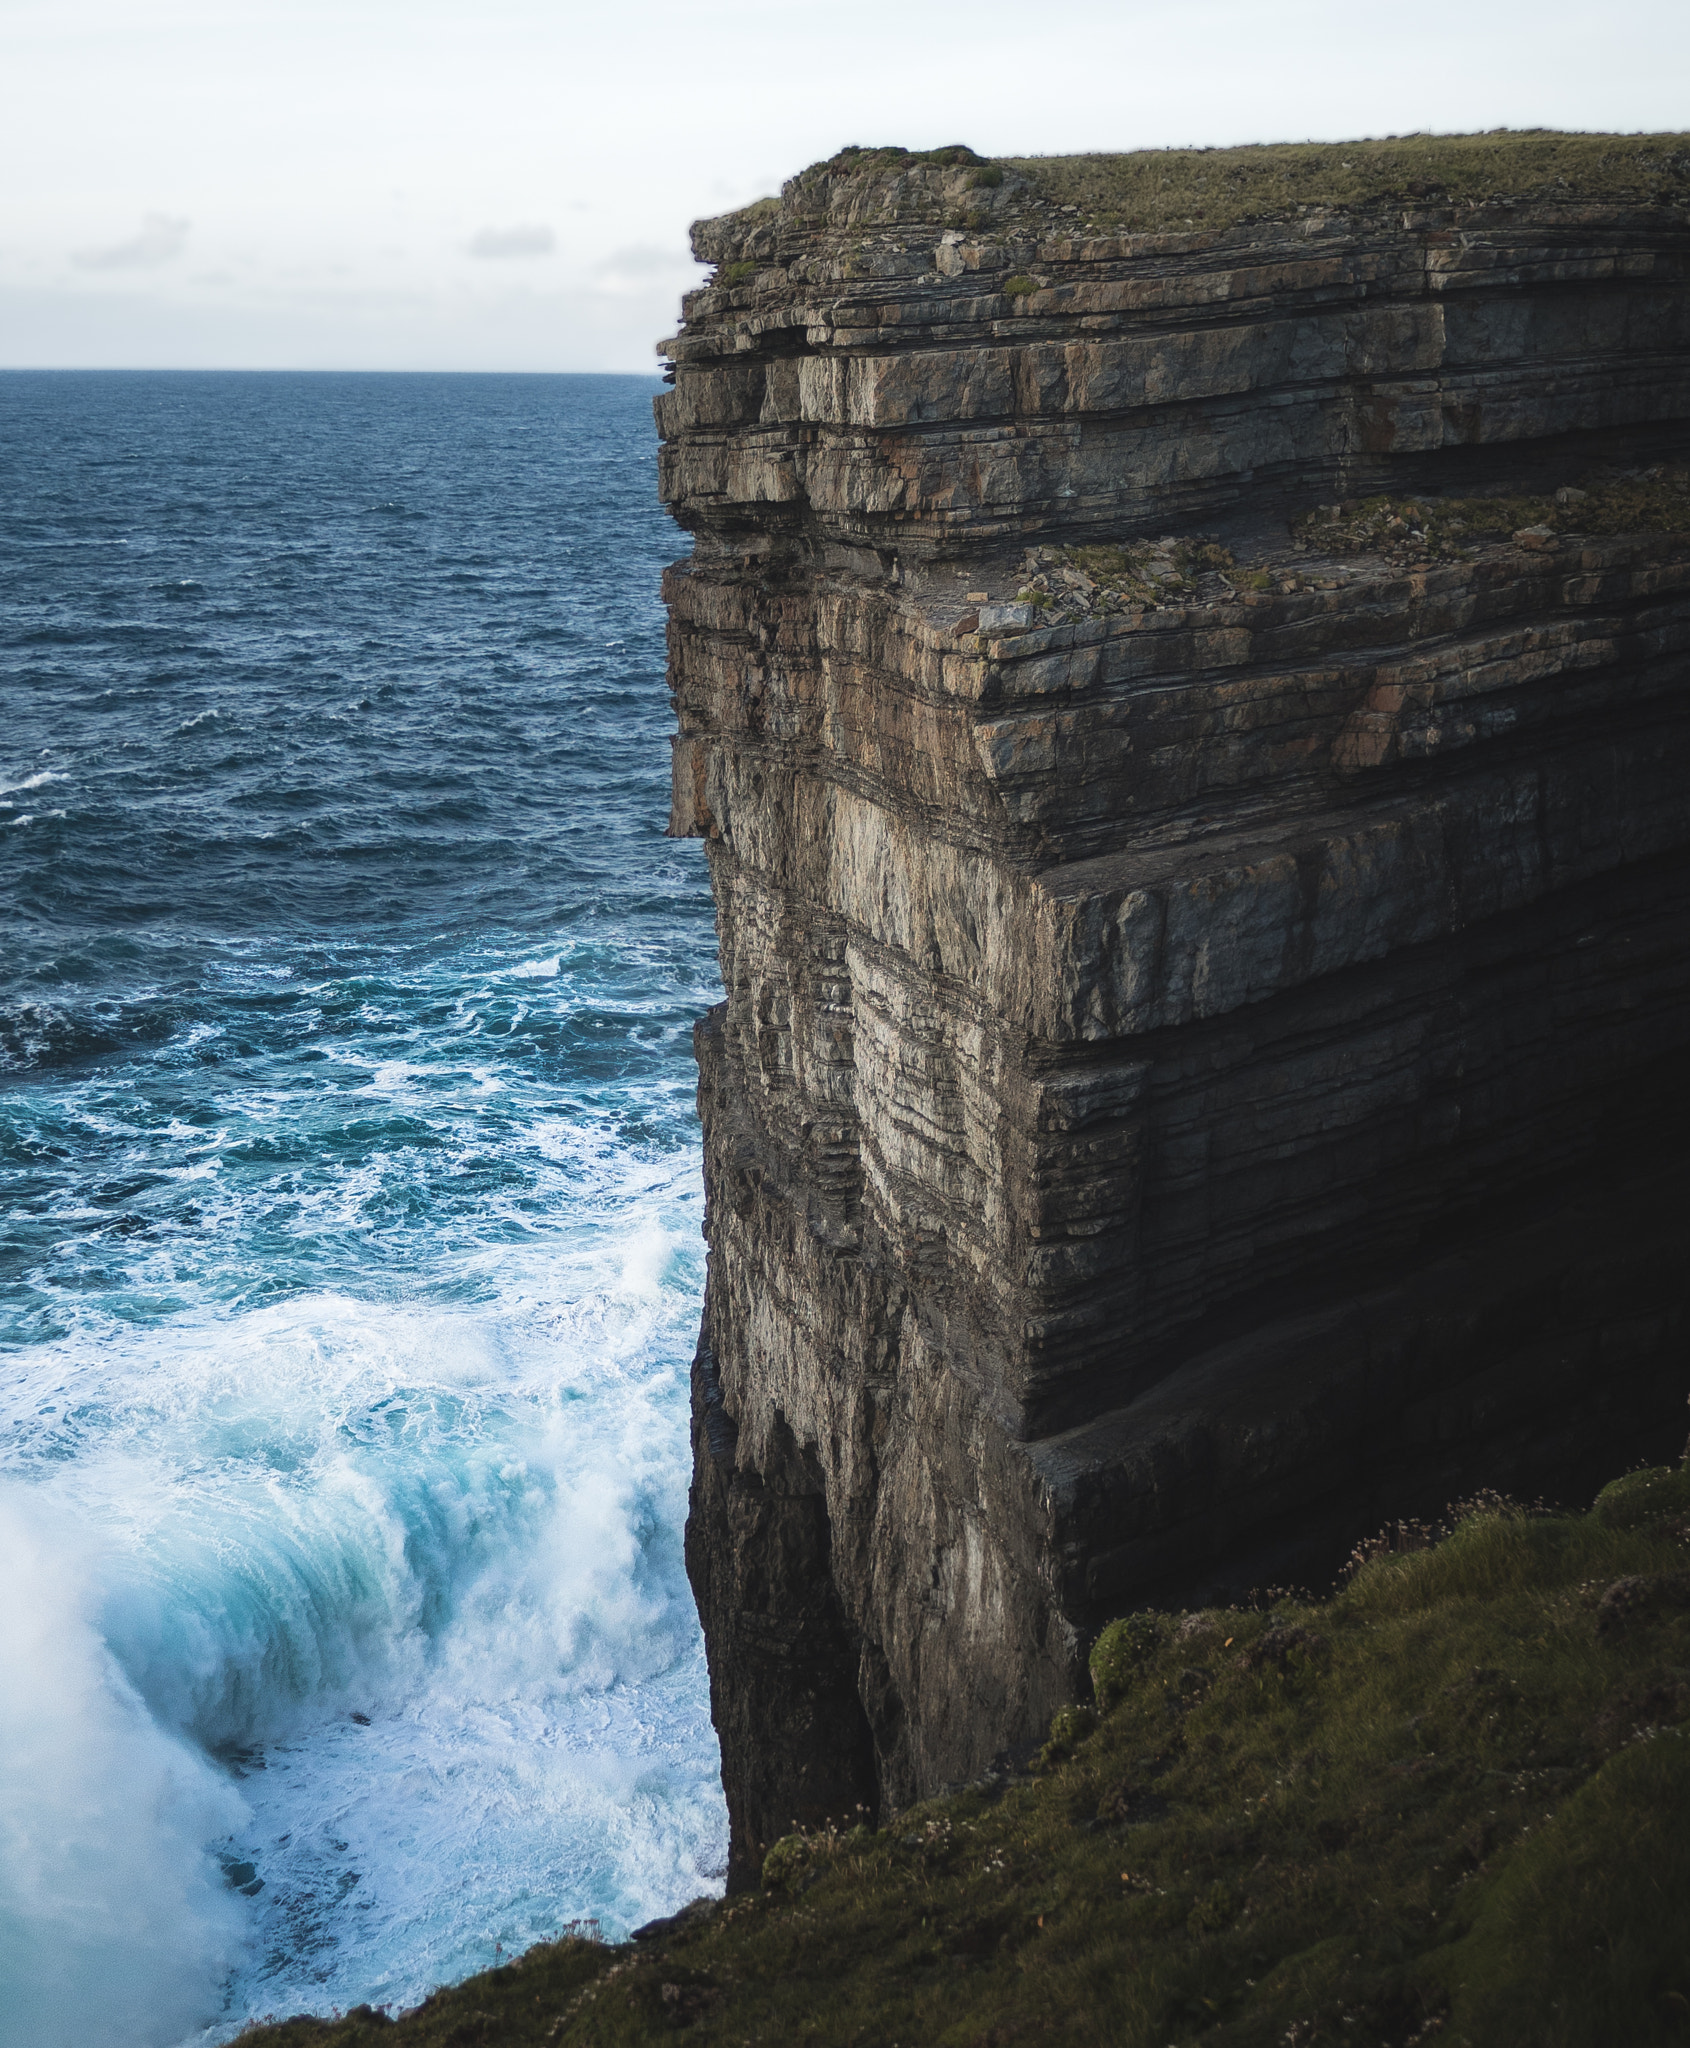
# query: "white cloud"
[[525, 241], [163, 237], [644, 266], [645, 259]]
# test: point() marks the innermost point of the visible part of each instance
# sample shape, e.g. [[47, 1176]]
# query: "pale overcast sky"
[[427, 184]]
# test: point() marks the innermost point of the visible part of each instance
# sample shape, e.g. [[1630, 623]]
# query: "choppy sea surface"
[[349, 1195]]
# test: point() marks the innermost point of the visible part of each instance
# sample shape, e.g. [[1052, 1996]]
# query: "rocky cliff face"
[[1202, 1066]]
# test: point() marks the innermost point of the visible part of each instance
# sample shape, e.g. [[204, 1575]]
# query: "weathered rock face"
[[1198, 1081]]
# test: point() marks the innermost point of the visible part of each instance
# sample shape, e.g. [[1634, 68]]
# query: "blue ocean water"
[[349, 1195]]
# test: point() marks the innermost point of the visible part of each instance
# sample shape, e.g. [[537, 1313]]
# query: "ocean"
[[350, 1195]]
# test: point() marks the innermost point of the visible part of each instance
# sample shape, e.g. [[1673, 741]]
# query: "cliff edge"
[[1443, 1806], [1188, 716]]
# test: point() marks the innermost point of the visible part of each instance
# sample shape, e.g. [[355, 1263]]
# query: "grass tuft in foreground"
[[1447, 1805]]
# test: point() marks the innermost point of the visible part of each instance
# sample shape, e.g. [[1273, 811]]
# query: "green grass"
[[1446, 1805], [1173, 188]]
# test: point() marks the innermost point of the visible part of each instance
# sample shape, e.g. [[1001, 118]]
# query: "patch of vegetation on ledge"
[[1444, 1806], [1212, 188], [1410, 529]]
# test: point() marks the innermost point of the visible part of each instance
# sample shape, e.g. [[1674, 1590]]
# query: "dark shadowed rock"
[[1200, 1076]]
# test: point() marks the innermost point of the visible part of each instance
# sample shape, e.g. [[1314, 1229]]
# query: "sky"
[[429, 184]]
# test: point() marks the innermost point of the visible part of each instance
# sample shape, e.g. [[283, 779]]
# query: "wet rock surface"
[[1193, 756]]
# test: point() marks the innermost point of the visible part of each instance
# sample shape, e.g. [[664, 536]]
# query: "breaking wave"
[[349, 1203]]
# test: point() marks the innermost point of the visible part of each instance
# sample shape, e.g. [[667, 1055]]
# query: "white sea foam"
[[648, 1259], [415, 1576], [397, 1079], [116, 1926]]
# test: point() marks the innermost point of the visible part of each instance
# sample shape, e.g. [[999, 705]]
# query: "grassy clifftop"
[[1446, 1805], [1180, 190], [1215, 187]]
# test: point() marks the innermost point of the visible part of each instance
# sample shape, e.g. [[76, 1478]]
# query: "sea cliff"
[[1442, 1806], [1189, 726]]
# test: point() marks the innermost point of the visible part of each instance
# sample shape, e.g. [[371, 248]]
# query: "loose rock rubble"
[[1433, 528], [1067, 583], [1125, 579]]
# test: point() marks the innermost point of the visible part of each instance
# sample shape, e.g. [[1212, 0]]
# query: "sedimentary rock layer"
[[1200, 1078]]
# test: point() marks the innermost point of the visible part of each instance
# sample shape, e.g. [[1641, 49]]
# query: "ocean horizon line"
[[290, 370]]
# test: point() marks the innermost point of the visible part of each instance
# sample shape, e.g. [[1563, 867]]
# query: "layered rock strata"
[[1196, 1080]]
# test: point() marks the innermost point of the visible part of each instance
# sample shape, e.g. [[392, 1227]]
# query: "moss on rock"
[[1443, 1805]]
